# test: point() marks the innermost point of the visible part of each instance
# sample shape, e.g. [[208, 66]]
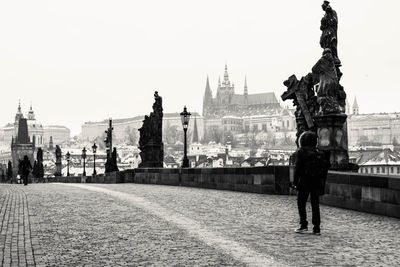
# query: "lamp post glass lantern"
[[94, 147], [185, 117], [68, 159], [84, 162]]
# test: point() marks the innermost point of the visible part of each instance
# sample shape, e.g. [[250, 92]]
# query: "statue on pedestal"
[[320, 99], [111, 163], [150, 142], [58, 161], [38, 169]]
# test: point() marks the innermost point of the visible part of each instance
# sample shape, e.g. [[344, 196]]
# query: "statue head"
[[326, 6]]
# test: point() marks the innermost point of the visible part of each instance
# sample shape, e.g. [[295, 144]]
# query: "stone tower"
[[21, 146], [225, 90], [355, 107]]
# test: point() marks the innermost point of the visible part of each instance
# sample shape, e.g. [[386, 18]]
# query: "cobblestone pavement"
[[15, 228], [134, 224]]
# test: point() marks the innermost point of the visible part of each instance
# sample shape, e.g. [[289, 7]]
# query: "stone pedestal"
[[58, 169], [332, 137], [152, 155]]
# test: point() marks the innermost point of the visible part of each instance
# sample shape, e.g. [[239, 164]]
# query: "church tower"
[[31, 114], [226, 90], [245, 93], [355, 107], [207, 99], [18, 116]]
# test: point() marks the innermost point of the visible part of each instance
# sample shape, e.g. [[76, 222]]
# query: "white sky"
[[88, 59]]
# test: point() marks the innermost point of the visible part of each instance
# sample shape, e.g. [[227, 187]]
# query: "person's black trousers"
[[302, 197], [25, 177]]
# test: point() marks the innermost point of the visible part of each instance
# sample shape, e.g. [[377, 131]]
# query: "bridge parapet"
[[376, 194]]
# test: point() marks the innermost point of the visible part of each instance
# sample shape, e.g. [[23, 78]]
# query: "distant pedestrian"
[[26, 168], [309, 179]]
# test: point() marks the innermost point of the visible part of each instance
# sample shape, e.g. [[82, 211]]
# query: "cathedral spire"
[[208, 85], [207, 100], [226, 76]]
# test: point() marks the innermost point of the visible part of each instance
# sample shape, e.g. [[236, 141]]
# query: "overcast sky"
[[78, 61]]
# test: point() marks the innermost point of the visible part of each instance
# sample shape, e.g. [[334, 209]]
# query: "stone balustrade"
[[376, 194]]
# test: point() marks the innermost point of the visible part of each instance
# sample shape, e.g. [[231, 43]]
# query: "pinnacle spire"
[[355, 107], [245, 86], [355, 104], [226, 76], [208, 84]]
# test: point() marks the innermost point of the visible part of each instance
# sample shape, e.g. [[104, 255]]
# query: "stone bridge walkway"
[[140, 225]]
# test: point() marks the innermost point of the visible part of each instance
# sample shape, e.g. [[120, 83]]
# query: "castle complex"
[[227, 102], [241, 113]]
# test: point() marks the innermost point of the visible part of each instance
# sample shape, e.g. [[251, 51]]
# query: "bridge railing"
[[376, 194]]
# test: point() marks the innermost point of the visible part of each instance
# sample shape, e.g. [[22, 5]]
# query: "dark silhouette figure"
[[309, 178], [111, 163], [25, 167], [9, 171]]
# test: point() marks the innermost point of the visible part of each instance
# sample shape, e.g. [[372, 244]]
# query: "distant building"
[[373, 129], [21, 146], [377, 161], [38, 134], [59, 134], [123, 127], [242, 113]]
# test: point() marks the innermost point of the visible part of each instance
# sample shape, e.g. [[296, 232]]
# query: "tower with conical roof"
[[207, 99], [355, 107], [21, 145], [19, 114]]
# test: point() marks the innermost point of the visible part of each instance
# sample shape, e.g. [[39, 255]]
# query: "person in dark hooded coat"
[[309, 179], [26, 168]]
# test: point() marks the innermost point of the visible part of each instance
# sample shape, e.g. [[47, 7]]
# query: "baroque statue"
[[150, 141], [320, 99]]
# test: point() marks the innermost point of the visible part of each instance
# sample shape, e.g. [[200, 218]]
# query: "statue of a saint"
[[329, 27], [328, 89]]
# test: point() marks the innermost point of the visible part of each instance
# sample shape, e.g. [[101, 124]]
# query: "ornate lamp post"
[[185, 116], [84, 161], [68, 159], [94, 147]]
